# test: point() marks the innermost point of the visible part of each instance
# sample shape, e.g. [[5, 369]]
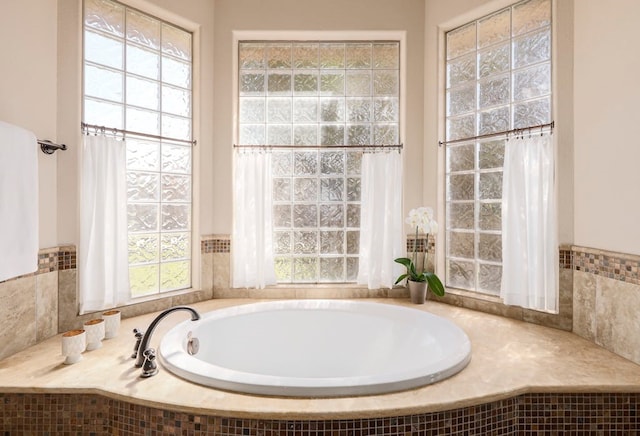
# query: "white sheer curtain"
[[103, 257], [529, 223], [252, 248], [381, 237]]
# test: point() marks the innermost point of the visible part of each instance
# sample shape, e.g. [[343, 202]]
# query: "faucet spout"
[[146, 339]]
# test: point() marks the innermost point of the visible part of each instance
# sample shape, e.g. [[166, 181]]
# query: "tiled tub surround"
[[528, 414], [522, 379], [216, 255], [607, 300], [29, 303]]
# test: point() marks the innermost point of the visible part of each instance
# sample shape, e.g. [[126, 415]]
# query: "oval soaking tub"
[[316, 348]]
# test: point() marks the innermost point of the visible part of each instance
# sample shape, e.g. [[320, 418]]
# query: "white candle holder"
[[95, 333], [74, 343], [111, 323]]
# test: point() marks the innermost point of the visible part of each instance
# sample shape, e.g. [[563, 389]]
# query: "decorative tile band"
[[215, 244], [67, 257], [47, 261], [222, 244], [617, 266], [565, 255], [566, 258], [528, 414], [420, 245]]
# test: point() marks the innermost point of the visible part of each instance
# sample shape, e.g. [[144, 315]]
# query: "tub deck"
[[509, 358]]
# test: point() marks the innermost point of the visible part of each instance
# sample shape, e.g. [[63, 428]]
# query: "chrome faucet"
[[146, 356]]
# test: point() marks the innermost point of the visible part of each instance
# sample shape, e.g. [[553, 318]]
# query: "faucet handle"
[[138, 334], [149, 367]]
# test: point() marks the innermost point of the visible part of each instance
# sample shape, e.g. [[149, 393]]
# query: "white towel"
[[18, 201]]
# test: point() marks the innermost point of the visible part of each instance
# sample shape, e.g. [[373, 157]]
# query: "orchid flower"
[[423, 221]]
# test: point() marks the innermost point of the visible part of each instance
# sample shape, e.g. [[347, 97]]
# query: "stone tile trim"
[[215, 244], [67, 257], [421, 245], [47, 262], [617, 266], [527, 414], [222, 244], [565, 253], [565, 258]]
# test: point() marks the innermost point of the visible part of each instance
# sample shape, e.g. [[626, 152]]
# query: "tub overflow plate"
[[193, 344]]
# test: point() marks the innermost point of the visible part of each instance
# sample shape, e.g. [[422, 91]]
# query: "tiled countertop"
[[509, 358]]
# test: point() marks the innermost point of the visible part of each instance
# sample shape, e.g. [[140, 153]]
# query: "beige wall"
[[28, 89], [606, 115], [307, 15]]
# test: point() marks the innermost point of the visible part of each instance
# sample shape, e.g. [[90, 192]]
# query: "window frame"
[[485, 13], [169, 19], [318, 36]]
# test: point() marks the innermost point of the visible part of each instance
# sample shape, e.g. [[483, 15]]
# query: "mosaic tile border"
[[527, 414], [215, 244], [223, 244], [421, 245], [565, 258], [617, 266], [47, 262], [67, 257]]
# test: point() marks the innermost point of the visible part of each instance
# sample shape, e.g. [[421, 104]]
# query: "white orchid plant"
[[422, 220]]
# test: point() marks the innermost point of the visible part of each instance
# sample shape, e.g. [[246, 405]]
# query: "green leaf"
[[404, 261], [412, 272], [435, 284], [401, 278]]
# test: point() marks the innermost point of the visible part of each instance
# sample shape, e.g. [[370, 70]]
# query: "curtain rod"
[[315, 147], [506, 133], [102, 129]]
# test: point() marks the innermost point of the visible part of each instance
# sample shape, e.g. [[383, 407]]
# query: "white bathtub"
[[317, 348]]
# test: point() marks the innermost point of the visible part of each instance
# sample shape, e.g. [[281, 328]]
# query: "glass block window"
[[137, 76], [498, 77], [302, 94]]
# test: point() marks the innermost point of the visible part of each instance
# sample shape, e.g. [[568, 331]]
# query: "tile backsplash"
[[215, 244]]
